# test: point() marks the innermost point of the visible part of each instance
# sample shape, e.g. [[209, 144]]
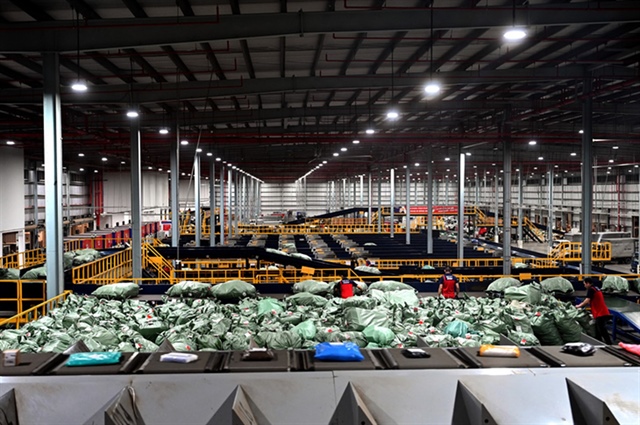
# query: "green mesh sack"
[[9, 274], [355, 337], [402, 298], [499, 285], [527, 293], [390, 285], [380, 335], [544, 328], [279, 340], [368, 269], [313, 287], [615, 285], [457, 328], [307, 329], [36, 273], [356, 319], [190, 289], [270, 307], [233, 290], [523, 339], [305, 298], [119, 291], [568, 327], [557, 285], [360, 301]]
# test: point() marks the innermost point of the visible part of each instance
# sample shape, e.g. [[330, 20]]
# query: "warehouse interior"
[[188, 145]]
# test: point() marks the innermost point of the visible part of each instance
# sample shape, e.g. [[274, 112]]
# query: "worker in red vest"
[[448, 284], [346, 287], [599, 309]]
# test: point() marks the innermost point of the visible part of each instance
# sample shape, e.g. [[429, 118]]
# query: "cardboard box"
[[10, 358]]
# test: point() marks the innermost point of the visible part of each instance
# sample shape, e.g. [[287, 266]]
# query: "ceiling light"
[[199, 150], [164, 131], [184, 142], [80, 154], [611, 160], [468, 153], [183, 174], [79, 86], [324, 162], [122, 162], [209, 154], [343, 149], [574, 154], [393, 115], [150, 167], [540, 158], [82, 169], [370, 131], [447, 159], [404, 166], [533, 142], [10, 142], [104, 159], [218, 159], [432, 87], [635, 166], [132, 114], [417, 164], [514, 34], [95, 171], [336, 154], [581, 131], [355, 142], [614, 147], [159, 169]]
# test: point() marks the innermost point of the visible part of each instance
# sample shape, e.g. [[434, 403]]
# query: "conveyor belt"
[[626, 312]]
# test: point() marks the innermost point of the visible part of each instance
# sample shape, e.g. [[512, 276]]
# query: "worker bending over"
[[599, 309]]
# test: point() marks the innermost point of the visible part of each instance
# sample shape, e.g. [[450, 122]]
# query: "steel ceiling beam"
[[165, 92], [116, 33]]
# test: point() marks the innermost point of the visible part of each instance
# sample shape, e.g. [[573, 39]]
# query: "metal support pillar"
[[355, 193], [36, 207], [550, 208], [174, 158], [52, 128], [136, 199], [196, 186], [229, 204], [460, 237], [361, 190], [496, 236], [222, 206], [520, 208], [429, 204], [392, 201], [587, 173], [380, 201], [408, 210], [369, 198], [212, 203], [506, 205], [477, 180]]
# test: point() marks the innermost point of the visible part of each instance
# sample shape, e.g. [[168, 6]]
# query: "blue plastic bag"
[[338, 352], [93, 359]]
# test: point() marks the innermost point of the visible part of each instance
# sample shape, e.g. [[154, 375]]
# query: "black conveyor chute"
[[333, 214], [243, 252]]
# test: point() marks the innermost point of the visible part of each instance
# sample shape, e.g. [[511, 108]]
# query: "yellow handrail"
[[39, 310], [152, 258], [22, 259], [572, 251], [109, 269]]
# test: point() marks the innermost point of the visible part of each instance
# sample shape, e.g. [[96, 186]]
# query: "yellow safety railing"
[[294, 229], [533, 229], [23, 259], [572, 251], [19, 299], [151, 258], [109, 269], [36, 311], [94, 243]]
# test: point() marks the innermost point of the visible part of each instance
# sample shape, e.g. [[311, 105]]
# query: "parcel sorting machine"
[[451, 386]]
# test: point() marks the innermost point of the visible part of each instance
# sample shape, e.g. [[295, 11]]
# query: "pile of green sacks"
[[388, 315]]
